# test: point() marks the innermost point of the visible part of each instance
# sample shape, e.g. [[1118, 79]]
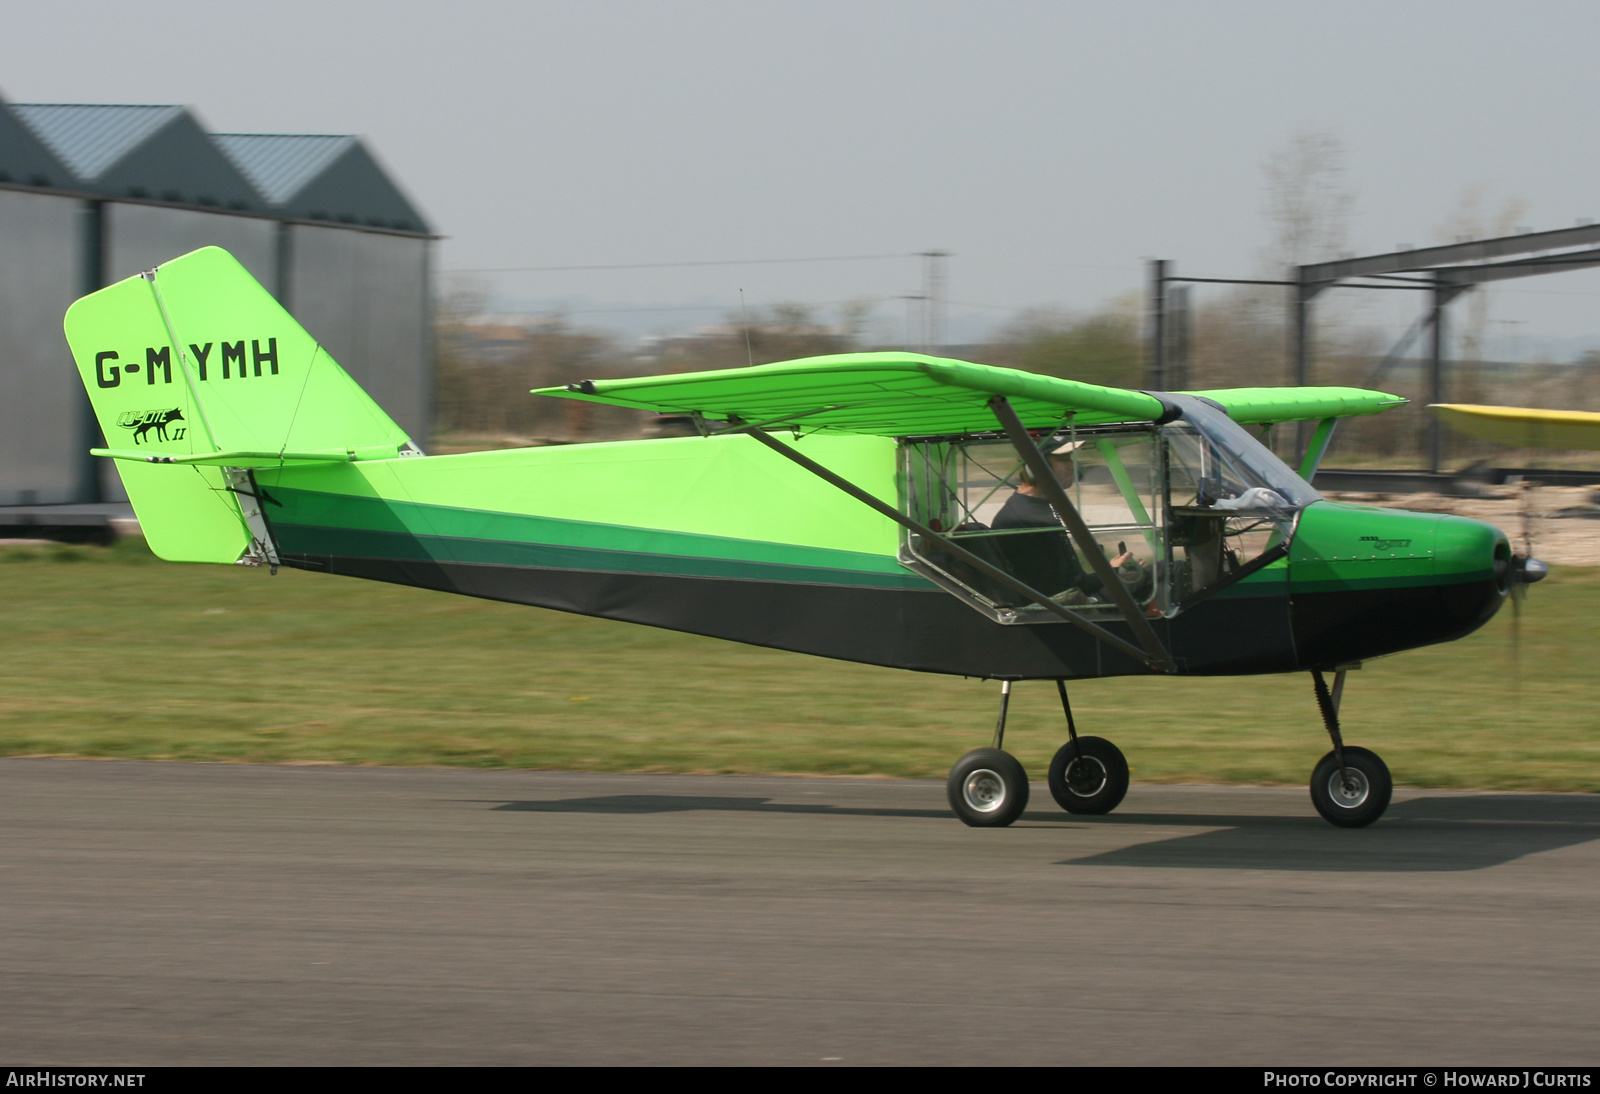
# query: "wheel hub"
[[1086, 776], [984, 790], [1348, 788]]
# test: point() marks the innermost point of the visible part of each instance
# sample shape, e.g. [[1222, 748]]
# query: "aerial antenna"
[[750, 358]]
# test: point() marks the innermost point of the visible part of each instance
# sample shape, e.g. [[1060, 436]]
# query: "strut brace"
[[986, 568]]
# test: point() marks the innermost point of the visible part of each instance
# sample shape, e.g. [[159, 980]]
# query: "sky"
[[1050, 147]]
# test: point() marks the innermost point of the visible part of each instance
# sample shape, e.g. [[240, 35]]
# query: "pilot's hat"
[[1068, 449]]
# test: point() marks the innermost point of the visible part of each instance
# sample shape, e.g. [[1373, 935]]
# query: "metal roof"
[[90, 139], [25, 159], [163, 153], [321, 176], [280, 165]]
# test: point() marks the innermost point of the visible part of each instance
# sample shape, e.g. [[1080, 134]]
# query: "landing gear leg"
[[1351, 786], [988, 787], [1000, 723], [1088, 774]]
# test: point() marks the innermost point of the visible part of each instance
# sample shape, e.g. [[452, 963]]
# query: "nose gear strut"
[[1351, 786]]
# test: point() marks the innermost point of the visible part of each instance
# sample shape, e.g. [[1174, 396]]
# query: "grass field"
[[111, 653]]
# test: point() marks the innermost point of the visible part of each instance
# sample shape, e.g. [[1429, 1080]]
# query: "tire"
[[988, 788], [1089, 776], [1366, 798]]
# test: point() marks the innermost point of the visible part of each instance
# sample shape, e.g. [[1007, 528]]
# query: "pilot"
[[1047, 562]]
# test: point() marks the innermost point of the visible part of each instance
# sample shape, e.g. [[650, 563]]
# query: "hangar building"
[[91, 194]]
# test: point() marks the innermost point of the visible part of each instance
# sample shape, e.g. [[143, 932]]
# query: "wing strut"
[[954, 548], [1045, 479], [1317, 448]]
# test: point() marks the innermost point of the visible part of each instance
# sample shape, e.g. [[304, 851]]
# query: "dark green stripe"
[[300, 539], [315, 509]]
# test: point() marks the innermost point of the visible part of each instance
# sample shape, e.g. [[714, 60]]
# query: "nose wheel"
[[1350, 786], [1352, 795]]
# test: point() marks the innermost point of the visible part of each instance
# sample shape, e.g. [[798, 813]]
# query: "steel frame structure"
[[1443, 272]]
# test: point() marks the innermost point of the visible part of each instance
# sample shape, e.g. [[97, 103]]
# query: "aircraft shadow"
[[691, 803], [1422, 835]]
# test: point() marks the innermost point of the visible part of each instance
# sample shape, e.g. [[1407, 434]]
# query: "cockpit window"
[[1179, 510], [975, 491]]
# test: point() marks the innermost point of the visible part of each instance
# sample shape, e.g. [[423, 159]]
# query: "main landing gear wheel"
[[988, 788], [1356, 796], [1089, 775]]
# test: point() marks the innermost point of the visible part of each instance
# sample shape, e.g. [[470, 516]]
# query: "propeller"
[[1515, 574], [1521, 570]]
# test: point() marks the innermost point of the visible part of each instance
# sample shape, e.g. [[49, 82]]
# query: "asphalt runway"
[[155, 913]]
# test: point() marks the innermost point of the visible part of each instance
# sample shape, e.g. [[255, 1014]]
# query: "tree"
[[782, 332], [1472, 220], [1308, 203], [485, 370], [1100, 347], [1240, 337]]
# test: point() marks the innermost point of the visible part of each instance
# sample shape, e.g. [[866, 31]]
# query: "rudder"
[[197, 375]]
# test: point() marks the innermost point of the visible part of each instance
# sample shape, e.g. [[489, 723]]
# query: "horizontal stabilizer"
[[253, 459]]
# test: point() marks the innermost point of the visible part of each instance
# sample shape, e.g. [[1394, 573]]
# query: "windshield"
[[1236, 471]]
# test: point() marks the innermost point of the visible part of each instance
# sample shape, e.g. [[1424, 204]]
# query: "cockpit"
[[1181, 509]]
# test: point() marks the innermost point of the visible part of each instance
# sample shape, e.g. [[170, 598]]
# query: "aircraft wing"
[[909, 394], [1523, 427]]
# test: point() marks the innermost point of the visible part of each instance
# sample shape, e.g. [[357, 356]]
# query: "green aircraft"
[[888, 508]]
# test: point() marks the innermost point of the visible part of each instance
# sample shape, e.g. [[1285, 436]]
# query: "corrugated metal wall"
[[91, 194], [365, 297], [40, 395], [141, 236]]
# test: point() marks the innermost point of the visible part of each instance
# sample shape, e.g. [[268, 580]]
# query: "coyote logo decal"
[[1386, 544], [143, 421]]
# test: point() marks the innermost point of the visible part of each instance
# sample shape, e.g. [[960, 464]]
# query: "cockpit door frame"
[[1044, 478], [917, 527]]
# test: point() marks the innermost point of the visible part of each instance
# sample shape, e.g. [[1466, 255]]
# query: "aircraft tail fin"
[[197, 375]]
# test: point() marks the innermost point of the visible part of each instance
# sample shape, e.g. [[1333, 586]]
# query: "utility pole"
[[916, 322], [933, 290]]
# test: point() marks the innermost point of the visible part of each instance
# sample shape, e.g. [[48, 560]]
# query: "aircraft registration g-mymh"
[[922, 513]]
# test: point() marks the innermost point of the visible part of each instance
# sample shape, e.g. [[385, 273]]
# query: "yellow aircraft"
[[1523, 427]]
